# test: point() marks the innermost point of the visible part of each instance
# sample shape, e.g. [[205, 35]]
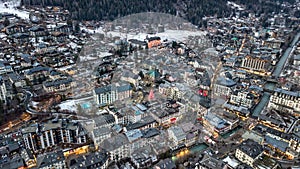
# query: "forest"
[[192, 10]]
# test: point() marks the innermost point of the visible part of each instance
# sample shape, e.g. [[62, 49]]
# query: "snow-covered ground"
[[239, 7], [176, 35], [10, 6], [68, 105]]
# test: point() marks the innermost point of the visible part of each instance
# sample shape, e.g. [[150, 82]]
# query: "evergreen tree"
[[6, 22]]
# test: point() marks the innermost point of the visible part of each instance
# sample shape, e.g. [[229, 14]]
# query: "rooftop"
[[251, 148], [87, 161]]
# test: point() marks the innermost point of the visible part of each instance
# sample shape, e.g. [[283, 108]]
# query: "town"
[[149, 90]]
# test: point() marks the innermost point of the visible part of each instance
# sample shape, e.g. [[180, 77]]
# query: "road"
[[285, 56], [279, 67]]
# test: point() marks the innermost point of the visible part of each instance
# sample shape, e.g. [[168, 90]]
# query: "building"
[[254, 63], [97, 160], [109, 94], [28, 157], [168, 113], [209, 162], [130, 77], [37, 73], [104, 120], [265, 162], [53, 133], [285, 101], [224, 87], [167, 163], [177, 135], [52, 160], [216, 124], [143, 157], [2, 90], [248, 152], [117, 146], [241, 98], [100, 134], [153, 42], [172, 90], [15, 162], [59, 85]]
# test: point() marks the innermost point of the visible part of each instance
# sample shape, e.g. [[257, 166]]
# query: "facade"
[[52, 133], [167, 115], [248, 152], [283, 100], [59, 85], [171, 91], [2, 90], [240, 98], [38, 72], [100, 134], [143, 158], [117, 146], [177, 135], [223, 87], [254, 63], [28, 157], [109, 94]]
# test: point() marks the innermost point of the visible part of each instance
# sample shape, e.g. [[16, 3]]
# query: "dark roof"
[[251, 148], [37, 69], [281, 145], [226, 82], [14, 163], [105, 89], [104, 119], [89, 161], [123, 88], [153, 38], [13, 147], [114, 142], [166, 164], [151, 132], [211, 162], [50, 159], [138, 42], [101, 90], [58, 82], [144, 122]]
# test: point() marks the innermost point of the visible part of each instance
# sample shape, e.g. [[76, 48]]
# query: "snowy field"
[[176, 35], [70, 105], [10, 6]]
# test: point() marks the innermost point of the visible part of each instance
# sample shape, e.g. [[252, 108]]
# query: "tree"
[[77, 27], [6, 22]]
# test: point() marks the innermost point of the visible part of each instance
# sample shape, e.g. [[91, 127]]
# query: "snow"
[[235, 5], [233, 163], [176, 35], [12, 8], [34, 104], [103, 54], [65, 68], [2, 35], [68, 105]]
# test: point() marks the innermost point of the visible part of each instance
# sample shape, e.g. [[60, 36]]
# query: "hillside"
[[192, 10]]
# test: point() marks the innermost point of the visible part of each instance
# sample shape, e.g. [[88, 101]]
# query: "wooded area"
[[192, 10]]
